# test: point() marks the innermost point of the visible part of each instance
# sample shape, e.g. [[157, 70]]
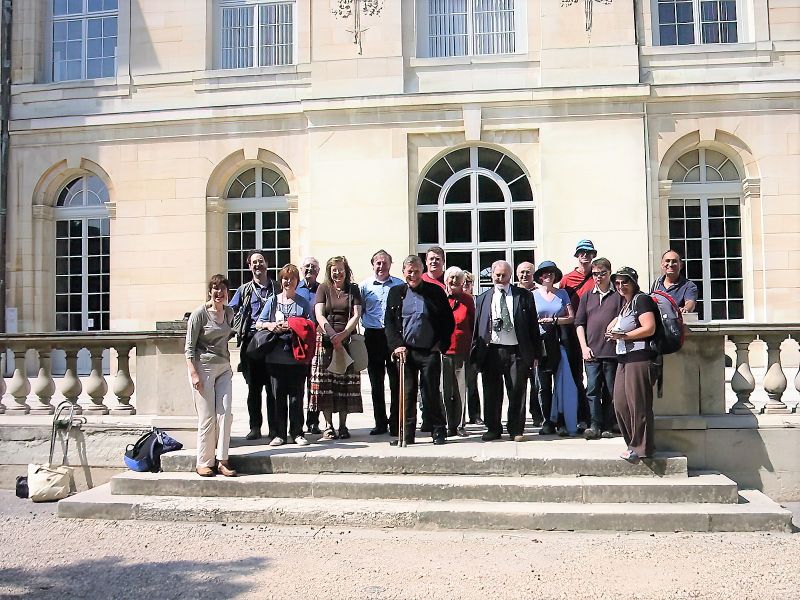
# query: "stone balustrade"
[[158, 376], [694, 378]]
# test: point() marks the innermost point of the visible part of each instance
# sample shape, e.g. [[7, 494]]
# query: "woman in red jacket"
[[454, 377]]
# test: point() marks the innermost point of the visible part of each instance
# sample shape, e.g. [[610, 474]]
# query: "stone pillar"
[[44, 387], [19, 386], [96, 385], [742, 383], [123, 383], [774, 380], [71, 386]]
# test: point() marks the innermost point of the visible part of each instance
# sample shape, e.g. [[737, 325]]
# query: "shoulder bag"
[[356, 346]]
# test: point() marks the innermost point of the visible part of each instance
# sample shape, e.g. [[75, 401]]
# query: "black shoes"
[[561, 431], [490, 436], [314, 429], [592, 433], [407, 442], [255, 434], [425, 428], [378, 431], [547, 429]]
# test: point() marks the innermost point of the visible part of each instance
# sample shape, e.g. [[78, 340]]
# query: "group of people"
[[543, 333]]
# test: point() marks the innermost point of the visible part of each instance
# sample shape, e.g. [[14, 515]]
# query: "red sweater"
[[464, 314], [576, 284], [429, 279]]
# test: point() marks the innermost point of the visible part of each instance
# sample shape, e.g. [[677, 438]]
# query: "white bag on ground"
[[47, 483]]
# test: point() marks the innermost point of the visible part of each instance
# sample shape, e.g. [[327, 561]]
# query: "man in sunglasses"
[[596, 310]]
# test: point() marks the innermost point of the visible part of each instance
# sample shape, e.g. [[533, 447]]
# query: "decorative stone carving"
[[43, 386], [19, 386], [123, 383], [743, 383], [71, 386], [774, 380], [96, 385]]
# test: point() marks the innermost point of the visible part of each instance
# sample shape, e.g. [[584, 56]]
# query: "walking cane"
[[401, 426]]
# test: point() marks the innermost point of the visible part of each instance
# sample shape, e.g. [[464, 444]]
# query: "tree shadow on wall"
[[108, 579]]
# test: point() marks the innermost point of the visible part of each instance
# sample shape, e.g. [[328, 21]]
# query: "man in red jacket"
[[577, 283]]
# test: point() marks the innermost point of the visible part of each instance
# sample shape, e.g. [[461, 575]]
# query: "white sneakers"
[[301, 441], [277, 441]]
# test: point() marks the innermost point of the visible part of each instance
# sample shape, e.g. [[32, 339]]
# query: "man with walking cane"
[[419, 324]]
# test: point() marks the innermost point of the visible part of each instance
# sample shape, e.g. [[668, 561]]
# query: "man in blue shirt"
[[247, 303], [674, 283], [374, 291], [307, 288]]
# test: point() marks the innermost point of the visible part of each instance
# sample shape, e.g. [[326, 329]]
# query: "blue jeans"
[[600, 374]]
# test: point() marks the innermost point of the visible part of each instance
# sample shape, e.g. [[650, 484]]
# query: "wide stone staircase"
[[540, 484]]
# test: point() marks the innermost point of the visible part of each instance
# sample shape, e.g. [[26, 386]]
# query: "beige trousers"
[[214, 417]]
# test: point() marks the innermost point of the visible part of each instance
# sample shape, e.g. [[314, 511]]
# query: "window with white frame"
[[256, 33], [477, 204], [705, 227], [82, 251], [257, 219], [466, 27], [684, 22], [83, 39]]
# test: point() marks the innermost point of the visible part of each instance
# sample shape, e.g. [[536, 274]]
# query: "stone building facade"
[[153, 143]]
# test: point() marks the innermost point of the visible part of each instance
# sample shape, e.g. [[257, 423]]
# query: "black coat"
[[440, 315], [526, 326]]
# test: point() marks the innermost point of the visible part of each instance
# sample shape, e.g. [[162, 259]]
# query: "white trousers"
[[214, 417]]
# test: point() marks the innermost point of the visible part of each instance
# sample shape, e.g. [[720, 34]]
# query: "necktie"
[[504, 314]]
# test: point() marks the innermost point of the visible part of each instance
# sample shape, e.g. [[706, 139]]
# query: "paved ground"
[[43, 557]]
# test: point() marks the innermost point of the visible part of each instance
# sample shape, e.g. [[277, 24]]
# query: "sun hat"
[[628, 272], [585, 246], [547, 265]]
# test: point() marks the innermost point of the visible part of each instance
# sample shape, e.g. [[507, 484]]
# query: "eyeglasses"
[[623, 282], [599, 273]]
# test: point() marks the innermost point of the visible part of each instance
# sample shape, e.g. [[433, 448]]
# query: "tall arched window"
[[257, 218], [705, 227], [82, 256], [477, 204]]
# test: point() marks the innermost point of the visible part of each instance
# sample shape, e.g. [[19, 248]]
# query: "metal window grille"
[[270, 42], [467, 27]]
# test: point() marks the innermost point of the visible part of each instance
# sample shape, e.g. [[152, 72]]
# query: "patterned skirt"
[[329, 391]]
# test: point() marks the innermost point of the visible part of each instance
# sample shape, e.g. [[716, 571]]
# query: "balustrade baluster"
[[44, 387], [123, 383], [71, 386], [774, 380], [742, 383], [96, 385], [19, 386], [2, 378]]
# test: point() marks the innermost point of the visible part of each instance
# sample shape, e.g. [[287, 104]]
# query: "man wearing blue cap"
[[577, 283]]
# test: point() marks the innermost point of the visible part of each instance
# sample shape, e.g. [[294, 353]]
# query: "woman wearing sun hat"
[[558, 395], [633, 388]]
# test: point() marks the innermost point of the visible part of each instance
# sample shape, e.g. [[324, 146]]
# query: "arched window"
[[705, 227], [82, 256], [477, 204], [257, 218]]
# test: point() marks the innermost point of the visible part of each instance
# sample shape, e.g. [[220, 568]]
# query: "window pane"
[[485, 260], [492, 226], [488, 191], [521, 190], [489, 158], [509, 170], [522, 221], [440, 171], [458, 227], [522, 256], [736, 309], [428, 193], [459, 192], [428, 228], [462, 260], [458, 159], [685, 34]]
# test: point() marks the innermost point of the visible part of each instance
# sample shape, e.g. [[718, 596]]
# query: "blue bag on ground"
[[145, 454]]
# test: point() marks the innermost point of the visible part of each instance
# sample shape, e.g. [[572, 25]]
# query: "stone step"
[[504, 458], [754, 512], [704, 488]]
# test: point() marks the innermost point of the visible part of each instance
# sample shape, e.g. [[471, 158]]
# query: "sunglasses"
[[624, 281], [599, 273]]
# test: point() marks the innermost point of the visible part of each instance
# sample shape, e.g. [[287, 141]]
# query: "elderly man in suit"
[[505, 346]]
